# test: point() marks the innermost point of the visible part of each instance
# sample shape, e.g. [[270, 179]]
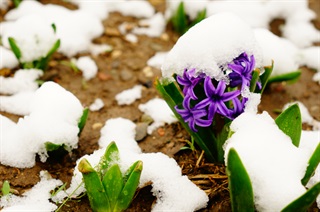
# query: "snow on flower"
[[265, 150], [54, 116], [209, 45], [157, 60], [159, 111], [169, 186], [128, 96]]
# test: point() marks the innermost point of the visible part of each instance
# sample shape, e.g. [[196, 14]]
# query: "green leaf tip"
[[5, 188], [312, 165], [289, 121], [304, 202], [83, 120], [240, 187], [289, 77], [85, 167], [14, 47]]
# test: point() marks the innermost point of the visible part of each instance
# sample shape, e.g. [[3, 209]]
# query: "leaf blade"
[[312, 165]]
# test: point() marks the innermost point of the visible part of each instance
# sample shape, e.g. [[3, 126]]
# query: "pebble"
[[110, 31], [146, 119], [161, 131], [148, 71], [103, 76], [97, 125], [116, 54], [141, 131], [126, 75]]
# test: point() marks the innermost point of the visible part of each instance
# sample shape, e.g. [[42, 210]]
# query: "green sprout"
[[5, 190], [181, 22], [240, 187], [40, 63], [107, 188], [290, 77]]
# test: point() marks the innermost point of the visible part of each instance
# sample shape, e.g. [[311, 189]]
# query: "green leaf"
[[240, 187], [16, 50], [113, 184], [95, 190], [265, 78], [43, 62], [304, 201], [16, 3], [83, 120], [204, 137], [291, 77], [5, 188], [289, 121], [200, 16], [254, 80], [129, 188], [54, 27], [221, 139], [52, 147], [110, 156], [179, 19], [313, 164]]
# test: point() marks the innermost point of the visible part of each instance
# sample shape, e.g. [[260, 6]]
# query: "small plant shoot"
[[107, 188]]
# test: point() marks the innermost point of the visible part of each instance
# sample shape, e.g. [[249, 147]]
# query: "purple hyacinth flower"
[[189, 81], [216, 98], [193, 116], [238, 108], [242, 68]]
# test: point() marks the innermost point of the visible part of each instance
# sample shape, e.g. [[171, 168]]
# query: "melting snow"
[[128, 96]]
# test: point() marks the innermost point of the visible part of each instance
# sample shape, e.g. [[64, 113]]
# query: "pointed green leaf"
[[16, 50], [83, 120], [129, 188], [291, 77], [113, 184], [179, 19], [254, 80], [95, 190], [52, 147], [240, 187], [221, 139], [289, 121], [54, 27], [313, 164], [5, 188], [264, 78], [200, 16], [110, 157], [305, 201], [204, 137]]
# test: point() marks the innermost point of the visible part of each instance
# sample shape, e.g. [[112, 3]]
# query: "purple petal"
[[230, 95], [221, 87], [209, 89], [203, 123]]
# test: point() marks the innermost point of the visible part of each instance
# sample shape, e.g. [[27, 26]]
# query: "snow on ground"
[[8, 59], [128, 96], [23, 80], [152, 27], [169, 186], [18, 104], [54, 116], [209, 45], [256, 137], [96, 105], [282, 51], [33, 35], [88, 67], [35, 199], [297, 28], [159, 111], [75, 29]]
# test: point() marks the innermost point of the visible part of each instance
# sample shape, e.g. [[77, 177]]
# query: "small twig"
[[206, 176], [199, 159]]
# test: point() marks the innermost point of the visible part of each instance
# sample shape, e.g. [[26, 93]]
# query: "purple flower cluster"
[[205, 97]]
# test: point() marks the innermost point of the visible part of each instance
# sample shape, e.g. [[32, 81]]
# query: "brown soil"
[[122, 69]]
